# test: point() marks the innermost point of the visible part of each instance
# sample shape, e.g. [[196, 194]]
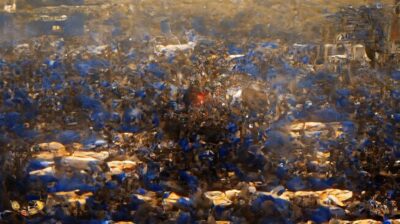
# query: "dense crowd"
[[198, 133]]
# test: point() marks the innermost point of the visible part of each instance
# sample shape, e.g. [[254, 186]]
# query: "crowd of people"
[[203, 132]]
